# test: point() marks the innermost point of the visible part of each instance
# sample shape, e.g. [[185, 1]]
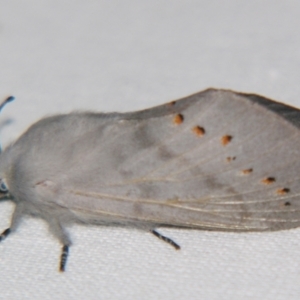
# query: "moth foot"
[[4, 234], [165, 239], [63, 258]]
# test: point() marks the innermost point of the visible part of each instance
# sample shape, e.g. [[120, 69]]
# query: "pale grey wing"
[[217, 160]]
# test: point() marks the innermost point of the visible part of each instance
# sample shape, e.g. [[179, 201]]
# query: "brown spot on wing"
[[199, 131], [268, 180], [247, 171], [230, 158], [226, 139], [172, 103], [178, 119], [283, 191]]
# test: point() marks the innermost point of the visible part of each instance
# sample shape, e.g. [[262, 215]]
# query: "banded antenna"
[[7, 100]]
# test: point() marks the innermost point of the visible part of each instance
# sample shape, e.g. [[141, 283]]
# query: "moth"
[[215, 160]]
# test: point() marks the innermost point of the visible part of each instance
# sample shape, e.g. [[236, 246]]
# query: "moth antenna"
[[7, 100]]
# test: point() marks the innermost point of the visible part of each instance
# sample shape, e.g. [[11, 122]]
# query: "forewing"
[[217, 160]]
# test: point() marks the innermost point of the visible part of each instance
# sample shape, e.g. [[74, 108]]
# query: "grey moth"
[[215, 160]]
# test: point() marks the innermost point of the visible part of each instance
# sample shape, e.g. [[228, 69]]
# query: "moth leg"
[[14, 223], [165, 239], [4, 234], [60, 233], [63, 258]]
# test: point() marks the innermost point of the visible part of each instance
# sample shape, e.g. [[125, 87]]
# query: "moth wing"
[[217, 160]]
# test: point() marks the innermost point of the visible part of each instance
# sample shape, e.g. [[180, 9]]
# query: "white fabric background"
[[59, 55]]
